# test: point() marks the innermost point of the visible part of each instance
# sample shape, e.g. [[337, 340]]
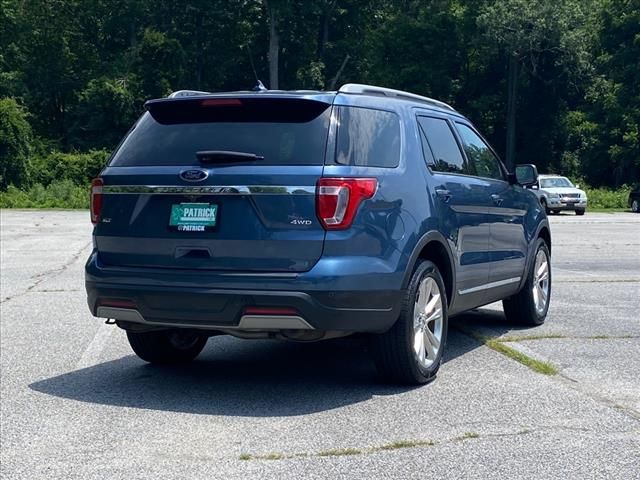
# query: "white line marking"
[[91, 355]]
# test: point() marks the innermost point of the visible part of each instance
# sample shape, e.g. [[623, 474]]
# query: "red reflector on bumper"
[[116, 303]]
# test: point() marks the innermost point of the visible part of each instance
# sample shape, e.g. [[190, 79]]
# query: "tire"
[[543, 202], [635, 206], [556, 212], [580, 212], [530, 306], [396, 358], [167, 346]]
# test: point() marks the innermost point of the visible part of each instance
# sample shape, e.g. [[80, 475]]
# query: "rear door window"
[[368, 138], [445, 154], [283, 131], [484, 162]]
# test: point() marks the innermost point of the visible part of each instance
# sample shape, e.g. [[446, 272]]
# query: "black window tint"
[[284, 134], [368, 138], [447, 155], [479, 154]]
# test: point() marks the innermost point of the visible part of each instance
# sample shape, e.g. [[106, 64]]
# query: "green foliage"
[[78, 168], [605, 198], [83, 69], [106, 108], [58, 194], [15, 143], [160, 62], [614, 97]]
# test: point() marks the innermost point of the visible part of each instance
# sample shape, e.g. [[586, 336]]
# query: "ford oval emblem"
[[193, 175]]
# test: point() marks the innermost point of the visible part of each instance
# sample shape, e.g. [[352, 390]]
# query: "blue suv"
[[311, 215]]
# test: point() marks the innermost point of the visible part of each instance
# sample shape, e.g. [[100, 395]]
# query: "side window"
[[479, 154], [368, 138], [446, 153]]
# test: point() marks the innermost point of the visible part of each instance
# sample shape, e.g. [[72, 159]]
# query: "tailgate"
[[165, 205]]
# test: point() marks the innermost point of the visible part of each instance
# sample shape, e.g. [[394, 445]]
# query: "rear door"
[[217, 183]]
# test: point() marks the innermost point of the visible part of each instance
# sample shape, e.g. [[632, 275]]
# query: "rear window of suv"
[[283, 131], [368, 138]]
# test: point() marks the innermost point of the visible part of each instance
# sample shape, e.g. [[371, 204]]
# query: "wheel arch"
[[433, 247], [545, 234]]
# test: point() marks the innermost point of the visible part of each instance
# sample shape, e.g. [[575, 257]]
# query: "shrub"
[[79, 168], [606, 198], [58, 194]]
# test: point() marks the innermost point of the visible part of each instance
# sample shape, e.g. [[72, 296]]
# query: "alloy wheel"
[[541, 284], [427, 322]]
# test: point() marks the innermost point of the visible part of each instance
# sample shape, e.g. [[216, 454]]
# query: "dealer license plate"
[[193, 217]]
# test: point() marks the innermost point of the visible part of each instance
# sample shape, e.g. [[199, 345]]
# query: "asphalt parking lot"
[[76, 403]]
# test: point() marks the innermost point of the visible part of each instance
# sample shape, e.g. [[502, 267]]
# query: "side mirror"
[[577, 185], [526, 175]]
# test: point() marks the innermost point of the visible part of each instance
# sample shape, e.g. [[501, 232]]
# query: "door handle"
[[444, 194], [497, 199]]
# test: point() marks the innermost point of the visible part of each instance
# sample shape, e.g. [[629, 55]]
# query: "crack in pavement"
[[48, 274], [419, 443], [560, 376]]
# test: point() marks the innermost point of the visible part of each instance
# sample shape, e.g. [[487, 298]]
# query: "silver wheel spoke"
[[418, 343], [432, 340], [542, 269], [432, 304], [435, 315], [431, 350], [422, 298]]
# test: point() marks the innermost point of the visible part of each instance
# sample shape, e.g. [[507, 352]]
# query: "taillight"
[[338, 199], [96, 199]]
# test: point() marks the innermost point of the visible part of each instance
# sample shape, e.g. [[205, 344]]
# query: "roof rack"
[[390, 92], [187, 93]]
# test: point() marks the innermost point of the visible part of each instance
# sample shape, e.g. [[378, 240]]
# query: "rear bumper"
[[172, 299]]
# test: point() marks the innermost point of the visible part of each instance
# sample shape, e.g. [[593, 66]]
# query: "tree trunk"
[[199, 50], [334, 81], [512, 87], [274, 48]]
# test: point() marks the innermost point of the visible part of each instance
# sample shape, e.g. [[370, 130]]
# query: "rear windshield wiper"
[[222, 156]]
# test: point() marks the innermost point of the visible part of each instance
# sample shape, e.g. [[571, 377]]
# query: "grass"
[[545, 368], [342, 452], [523, 338], [339, 452], [499, 345], [405, 444]]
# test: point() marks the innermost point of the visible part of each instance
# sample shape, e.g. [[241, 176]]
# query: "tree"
[[15, 143], [614, 97], [536, 36]]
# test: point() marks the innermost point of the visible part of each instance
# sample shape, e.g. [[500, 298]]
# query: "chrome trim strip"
[[487, 286], [209, 189], [127, 314], [273, 322], [247, 322]]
